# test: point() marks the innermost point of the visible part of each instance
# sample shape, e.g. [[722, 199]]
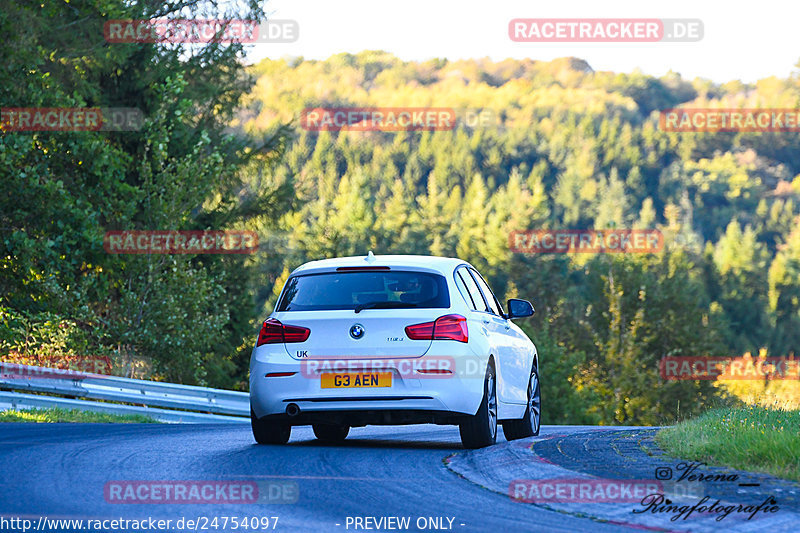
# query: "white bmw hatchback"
[[396, 339]]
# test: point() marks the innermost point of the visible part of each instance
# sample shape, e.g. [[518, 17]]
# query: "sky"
[[742, 40]]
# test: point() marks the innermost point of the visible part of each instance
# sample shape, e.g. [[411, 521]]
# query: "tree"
[[180, 170]]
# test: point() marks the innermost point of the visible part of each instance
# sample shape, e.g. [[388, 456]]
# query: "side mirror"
[[519, 308]]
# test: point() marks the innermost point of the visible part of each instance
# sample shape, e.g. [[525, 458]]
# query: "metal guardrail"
[[213, 404]]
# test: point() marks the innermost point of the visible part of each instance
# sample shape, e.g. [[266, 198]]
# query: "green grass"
[[750, 438], [70, 415]]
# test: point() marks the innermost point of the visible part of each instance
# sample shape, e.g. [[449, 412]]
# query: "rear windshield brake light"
[[362, 269]]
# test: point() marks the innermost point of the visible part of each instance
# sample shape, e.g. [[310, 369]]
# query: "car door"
[[510, 358], [479, 319]]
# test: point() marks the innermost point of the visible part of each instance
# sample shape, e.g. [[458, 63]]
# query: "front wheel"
[[480, 430], [528, 425], [269, 432]]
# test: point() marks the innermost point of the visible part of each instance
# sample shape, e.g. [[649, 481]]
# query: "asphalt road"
[[70, 471]]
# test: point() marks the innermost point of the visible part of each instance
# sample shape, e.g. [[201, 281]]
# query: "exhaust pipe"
[[292, 409]]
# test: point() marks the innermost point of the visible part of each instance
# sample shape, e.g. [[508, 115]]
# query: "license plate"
[[359, 380]]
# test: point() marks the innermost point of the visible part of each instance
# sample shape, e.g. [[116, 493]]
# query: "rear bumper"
[[372, 417], [415, 395]]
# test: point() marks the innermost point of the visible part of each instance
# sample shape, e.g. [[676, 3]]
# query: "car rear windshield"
[[355, 290]]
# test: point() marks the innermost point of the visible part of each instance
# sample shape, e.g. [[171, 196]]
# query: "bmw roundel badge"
[[357, 331]]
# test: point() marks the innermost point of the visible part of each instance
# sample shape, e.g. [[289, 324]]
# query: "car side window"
[[487, 292], [462, 288], [474, 291]]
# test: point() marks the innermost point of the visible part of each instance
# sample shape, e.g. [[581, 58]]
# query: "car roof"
[[417, 262]]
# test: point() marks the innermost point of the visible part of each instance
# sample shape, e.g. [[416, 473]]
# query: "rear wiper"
[[382, 305]]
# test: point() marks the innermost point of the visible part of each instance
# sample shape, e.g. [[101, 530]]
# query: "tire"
[[269, 432], [480, 430], [330, 432], [528, 425]]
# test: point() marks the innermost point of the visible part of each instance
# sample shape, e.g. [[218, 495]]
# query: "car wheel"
[[331, 432], [269, 432], [480, 430], [528, 425]]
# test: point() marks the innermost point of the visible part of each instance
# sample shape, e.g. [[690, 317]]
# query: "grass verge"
[[70, 415], [749, 438]]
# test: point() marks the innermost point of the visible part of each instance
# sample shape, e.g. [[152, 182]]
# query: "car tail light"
[[274, 332], [447, 327]]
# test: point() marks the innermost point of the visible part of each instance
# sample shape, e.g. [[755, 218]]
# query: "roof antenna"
[[370, 258]]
